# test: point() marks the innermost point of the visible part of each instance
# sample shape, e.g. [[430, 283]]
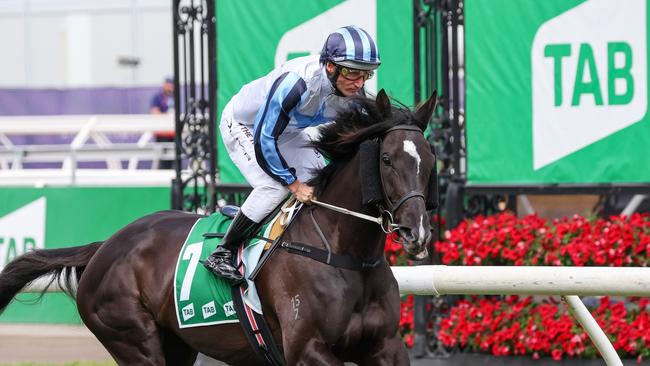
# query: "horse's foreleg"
[[313, 353], [387, 352]]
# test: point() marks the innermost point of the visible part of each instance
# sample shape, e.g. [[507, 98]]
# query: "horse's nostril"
[[407, 234]]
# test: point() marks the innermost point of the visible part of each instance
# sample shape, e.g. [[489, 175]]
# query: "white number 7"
[[193, 253]]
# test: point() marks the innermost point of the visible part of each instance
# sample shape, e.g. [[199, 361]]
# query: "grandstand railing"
[[90, 138], [84, 125], [18, 155], [85, 177]]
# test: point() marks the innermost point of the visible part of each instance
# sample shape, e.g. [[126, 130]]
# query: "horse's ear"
[[383, 103], [425, 111]]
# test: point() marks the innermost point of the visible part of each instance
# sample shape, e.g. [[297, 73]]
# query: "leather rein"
[[384, 220]]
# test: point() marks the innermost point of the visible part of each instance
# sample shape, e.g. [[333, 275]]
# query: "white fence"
[[86, 124], [569, 282], [91, 141], [528, 280]]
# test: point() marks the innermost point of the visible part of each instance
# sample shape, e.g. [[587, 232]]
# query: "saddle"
[[253, 323], [279, 219]]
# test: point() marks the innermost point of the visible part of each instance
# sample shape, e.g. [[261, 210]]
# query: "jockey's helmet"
[[351, 47]]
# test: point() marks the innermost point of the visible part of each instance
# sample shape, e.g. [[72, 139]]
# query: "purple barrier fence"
[[34, 102]]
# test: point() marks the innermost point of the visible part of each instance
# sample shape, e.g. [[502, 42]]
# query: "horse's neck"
[[353, 236]]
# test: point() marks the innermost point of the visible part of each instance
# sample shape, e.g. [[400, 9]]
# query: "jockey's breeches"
[[267, 193]]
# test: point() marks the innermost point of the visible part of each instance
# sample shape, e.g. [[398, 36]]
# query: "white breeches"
[[267, 193]]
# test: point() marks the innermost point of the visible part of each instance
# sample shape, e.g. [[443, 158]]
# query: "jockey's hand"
[[301, 191]]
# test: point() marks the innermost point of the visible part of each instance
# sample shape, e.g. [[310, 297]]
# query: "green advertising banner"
[[556, 91], [254, 36], [64, 217]]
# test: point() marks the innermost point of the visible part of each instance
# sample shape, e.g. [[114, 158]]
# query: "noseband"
[[391, 210], [388, 213], [373, 191], [385, 220]]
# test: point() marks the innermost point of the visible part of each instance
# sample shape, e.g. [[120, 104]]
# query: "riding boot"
[[222, 261]]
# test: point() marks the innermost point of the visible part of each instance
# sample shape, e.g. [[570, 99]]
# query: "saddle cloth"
[[201, 298]]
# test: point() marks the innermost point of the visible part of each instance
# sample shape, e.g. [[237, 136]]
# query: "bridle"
[[385, 220], [386, 207], [390, 211]]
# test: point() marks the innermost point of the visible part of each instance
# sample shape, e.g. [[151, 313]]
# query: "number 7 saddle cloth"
[[203, 299]]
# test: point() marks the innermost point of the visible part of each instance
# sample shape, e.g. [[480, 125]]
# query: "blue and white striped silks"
[[285, 95]]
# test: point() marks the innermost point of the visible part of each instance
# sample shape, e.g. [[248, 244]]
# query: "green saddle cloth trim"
[[202, 298]]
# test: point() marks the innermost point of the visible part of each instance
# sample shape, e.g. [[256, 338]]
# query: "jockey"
[[263, 130]]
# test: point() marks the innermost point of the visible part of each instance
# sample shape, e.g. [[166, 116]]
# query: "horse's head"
[[397, 166], [398, 174]]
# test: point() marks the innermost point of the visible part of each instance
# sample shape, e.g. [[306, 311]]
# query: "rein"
[[326, 256], [385, 220]]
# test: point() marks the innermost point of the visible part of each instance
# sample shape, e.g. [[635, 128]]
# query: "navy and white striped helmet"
[[353, 47]]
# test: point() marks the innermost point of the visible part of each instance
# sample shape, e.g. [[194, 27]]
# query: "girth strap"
[[335, 260], [254, 325], [256, 330]]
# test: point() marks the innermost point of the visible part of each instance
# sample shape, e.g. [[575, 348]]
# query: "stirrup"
[[224, 268]]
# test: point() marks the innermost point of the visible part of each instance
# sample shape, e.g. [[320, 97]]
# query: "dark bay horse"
[[319, 314]]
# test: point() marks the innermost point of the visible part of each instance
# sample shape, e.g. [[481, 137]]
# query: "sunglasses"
[[354, 74]]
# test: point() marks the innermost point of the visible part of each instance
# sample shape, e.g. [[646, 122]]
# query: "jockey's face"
[[347, 86]]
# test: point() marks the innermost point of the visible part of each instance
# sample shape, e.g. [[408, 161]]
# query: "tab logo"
[[308, 38], [589, 76], [188, 311], [22, 230], [209, 310], [229, 309]]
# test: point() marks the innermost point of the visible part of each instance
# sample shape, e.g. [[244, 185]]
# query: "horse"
[[318, 314]]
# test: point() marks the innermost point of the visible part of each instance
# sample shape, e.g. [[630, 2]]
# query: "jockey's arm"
[[272, 119]]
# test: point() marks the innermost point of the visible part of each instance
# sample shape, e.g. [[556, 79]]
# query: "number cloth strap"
[[255, 328]]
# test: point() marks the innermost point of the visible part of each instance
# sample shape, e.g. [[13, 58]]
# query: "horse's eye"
[[385, 158]]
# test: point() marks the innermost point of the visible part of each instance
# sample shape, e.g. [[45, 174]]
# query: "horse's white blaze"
[[409, 148], [422, 234]]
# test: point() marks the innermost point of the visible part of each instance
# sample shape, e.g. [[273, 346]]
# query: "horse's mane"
[[362, 120]]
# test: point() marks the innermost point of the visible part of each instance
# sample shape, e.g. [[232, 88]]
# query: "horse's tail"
[[41, 262]]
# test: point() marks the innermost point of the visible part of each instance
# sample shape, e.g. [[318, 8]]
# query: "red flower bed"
[[505, 240], [517, 326]]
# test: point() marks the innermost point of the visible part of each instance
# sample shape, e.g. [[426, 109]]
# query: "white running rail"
[[525, 280], [569, 282]]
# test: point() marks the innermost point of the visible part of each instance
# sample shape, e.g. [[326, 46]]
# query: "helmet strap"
[[333, 77]]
